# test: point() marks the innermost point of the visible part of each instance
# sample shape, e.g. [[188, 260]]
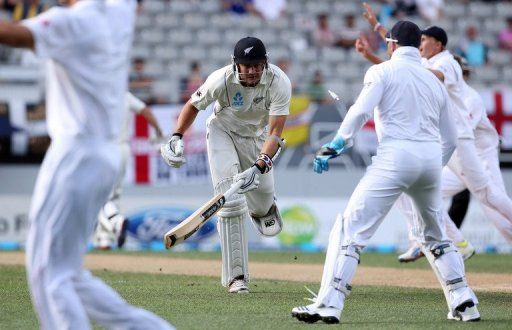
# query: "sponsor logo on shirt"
[[238, 100], [198, 93]]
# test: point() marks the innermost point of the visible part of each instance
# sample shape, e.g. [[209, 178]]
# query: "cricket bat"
[[192, 224]]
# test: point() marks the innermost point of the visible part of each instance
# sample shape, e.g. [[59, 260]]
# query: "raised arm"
[[16, 35], [363, 47], [371, 18]]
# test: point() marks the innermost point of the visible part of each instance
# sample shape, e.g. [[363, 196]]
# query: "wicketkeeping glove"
[[329, 150], [251, 178], [172, 151]]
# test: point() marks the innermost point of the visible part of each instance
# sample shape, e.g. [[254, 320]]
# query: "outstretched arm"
[[150, 117], [187, 116], [371, 18], [363, 48], [16, 35]]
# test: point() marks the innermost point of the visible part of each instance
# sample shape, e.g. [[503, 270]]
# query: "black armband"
[[178, 135], [266, 160]]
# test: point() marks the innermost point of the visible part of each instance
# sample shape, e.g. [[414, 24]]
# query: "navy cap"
[[437, 33], [405, 33], [249, 50]]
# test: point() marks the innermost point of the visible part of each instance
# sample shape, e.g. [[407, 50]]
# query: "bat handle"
[[234, 188]]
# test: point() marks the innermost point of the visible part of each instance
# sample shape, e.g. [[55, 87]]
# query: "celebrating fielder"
[[86, 48], [252, 99], [416, 138], [468, 162]]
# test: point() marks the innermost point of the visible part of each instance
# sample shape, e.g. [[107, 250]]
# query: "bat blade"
[[190, 225]]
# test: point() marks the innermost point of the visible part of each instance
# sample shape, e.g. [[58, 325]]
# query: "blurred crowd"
[[320, 35]]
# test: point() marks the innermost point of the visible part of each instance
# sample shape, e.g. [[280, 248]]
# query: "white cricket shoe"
[[414, 253], [465, 249], [312, 313], [239, 285], [465, 312]]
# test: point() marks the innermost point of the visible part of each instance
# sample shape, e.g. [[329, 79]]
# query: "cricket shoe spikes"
[[312, 313]]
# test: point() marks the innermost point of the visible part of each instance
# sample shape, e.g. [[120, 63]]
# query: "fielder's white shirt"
[[454, 83], [133, 105], [410, 103], [486, 136], [245, 110], [87, 51]]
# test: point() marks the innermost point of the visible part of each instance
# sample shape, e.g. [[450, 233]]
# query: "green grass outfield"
[[201, 303]]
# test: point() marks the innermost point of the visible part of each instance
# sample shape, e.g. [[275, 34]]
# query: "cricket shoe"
[[239, 285], [414, 253], [465, 312], [312, 313], [465, 249]]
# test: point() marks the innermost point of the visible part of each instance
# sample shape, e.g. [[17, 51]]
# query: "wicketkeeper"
[[252, 99]]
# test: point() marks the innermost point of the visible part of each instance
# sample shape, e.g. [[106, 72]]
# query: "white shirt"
[[454, 83], [132, 105], [245, 110], [486, 136], [86, 48], [410, 103]]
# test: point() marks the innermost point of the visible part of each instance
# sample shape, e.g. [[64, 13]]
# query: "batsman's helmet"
[[249, 50]]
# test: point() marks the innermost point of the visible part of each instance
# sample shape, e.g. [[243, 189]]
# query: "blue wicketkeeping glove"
[[329, 150]]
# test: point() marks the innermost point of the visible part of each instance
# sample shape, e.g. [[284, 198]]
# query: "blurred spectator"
[[27, 9], [316, 89], [472, 48], [430, 10], [284, 64], [404, 8], [349, 33], [270, 9], [239, 7], [140, 83], [505, 36], [192, 82], [323, 35]]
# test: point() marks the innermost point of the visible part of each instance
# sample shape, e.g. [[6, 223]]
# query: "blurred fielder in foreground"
[[252, 99], [416, 138], [86, 47], [111, 228], [474, 160]]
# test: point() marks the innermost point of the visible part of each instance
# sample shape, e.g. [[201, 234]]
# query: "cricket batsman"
[[252, 99]]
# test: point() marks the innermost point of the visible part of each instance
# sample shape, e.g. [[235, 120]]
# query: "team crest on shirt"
[[258, 99], [238, 100]]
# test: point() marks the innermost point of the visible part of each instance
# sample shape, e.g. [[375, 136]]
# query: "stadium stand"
[[170, 35]]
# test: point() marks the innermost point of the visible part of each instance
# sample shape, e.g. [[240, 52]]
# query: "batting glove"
[[329, 150], [251, 178], [172, 151]]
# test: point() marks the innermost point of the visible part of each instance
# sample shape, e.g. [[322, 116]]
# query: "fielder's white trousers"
[[74, 181], [479, 171], [399, 167]]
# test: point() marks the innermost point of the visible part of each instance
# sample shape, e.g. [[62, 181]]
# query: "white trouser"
[[399, 167], [124, 149], [479, 171], [74, 181], [229, 154]]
